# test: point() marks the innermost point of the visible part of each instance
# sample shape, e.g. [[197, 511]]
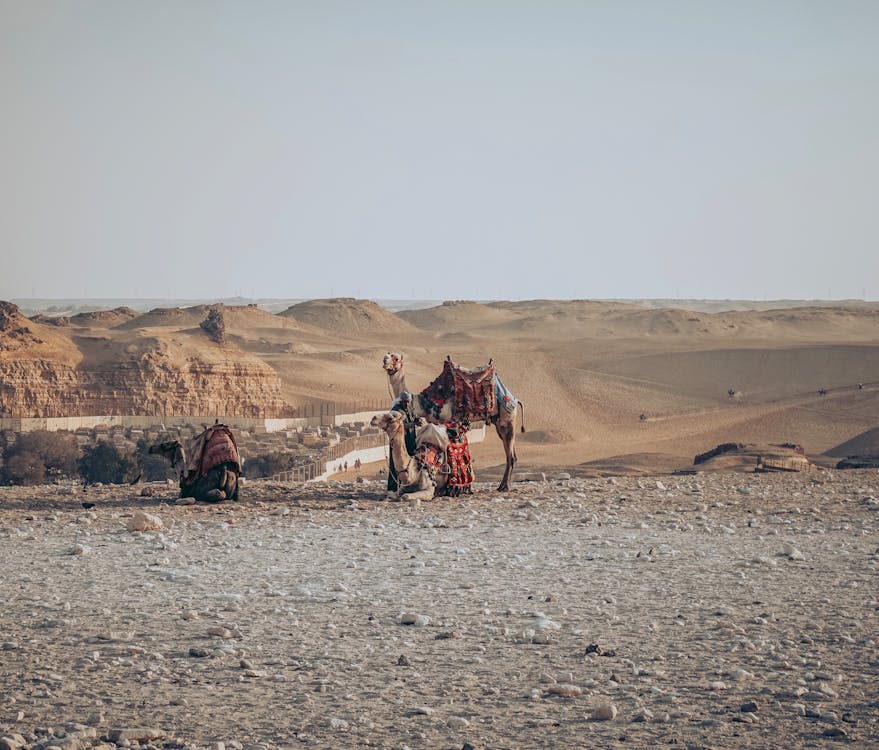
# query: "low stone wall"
[[254, 425]]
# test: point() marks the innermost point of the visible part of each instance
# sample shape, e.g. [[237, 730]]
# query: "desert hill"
[[599, 379], [346, 315], [105, 318], [865, 444]]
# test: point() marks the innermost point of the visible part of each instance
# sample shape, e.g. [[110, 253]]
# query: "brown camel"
[[211, 472], [504, 421], [414, 477]]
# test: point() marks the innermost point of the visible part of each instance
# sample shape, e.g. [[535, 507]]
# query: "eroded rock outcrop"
[[47, 371]]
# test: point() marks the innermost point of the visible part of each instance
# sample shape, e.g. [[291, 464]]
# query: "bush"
[[39, 456], [270, 463], [105, 464], [24, 469]]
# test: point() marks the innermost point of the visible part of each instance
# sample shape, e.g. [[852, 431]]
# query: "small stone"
[[138, 734], [144, 522], [457, 722], [565, 690], [748, 707], [835, 732], [198, 653], [419, 621], [644, 715], [146, 492], [741, 674], [79, 549], [220, 632], [604, 712], [403, 661], [185, 501]]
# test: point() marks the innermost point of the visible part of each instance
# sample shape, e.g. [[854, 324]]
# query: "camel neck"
[[397, 441], [398, 382]]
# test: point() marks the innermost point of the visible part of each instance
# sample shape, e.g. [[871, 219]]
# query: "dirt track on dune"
[[702, 611]]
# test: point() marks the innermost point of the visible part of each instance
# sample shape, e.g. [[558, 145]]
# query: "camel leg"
[[507, 433], [230, 485]]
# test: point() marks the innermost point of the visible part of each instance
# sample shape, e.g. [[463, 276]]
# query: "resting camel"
[[414, 478], [504, 421], [214, 477]]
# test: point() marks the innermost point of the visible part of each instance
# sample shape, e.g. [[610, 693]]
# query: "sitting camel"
[[421, 476], [212, 470], [502, 416]]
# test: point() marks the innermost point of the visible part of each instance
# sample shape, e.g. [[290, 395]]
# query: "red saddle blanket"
[[471, 391], [214, 446], [458, 457]]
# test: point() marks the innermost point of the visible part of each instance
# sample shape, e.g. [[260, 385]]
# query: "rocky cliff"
[[49, 371]]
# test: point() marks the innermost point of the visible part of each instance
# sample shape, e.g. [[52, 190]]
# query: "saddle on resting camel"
[[212, 447], [472, 392]]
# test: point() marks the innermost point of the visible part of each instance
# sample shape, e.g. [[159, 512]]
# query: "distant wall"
[[251, 424]]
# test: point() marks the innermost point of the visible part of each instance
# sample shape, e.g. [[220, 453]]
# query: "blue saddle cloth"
[[505, 399]]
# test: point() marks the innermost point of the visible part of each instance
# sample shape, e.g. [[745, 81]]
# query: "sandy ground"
[[707, 611]]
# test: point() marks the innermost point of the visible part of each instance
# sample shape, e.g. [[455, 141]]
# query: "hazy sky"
[[442, 150]]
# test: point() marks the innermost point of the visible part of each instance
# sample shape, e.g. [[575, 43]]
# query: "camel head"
[[389, 422], [392, 363], [171, 450]]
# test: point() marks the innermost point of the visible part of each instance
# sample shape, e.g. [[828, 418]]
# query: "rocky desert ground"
[[607, 602], [715, 610]]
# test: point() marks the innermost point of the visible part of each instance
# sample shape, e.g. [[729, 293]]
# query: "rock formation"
[[50, 371]]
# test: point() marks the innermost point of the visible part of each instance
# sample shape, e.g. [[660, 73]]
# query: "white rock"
[[741, 674], [457, 722], [144, 522], [604, 712], [411, 618], [220, 632]]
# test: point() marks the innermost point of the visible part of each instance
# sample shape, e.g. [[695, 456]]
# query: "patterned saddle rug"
[[472, 392], [214, 446], [458, 458]]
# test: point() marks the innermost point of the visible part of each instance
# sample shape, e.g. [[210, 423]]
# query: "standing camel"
[[504, 421]]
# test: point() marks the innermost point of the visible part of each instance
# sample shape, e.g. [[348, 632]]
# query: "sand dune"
[[346, 315]]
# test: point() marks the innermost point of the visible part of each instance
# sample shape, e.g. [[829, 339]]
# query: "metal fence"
[[314, 469], [108, 406]]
